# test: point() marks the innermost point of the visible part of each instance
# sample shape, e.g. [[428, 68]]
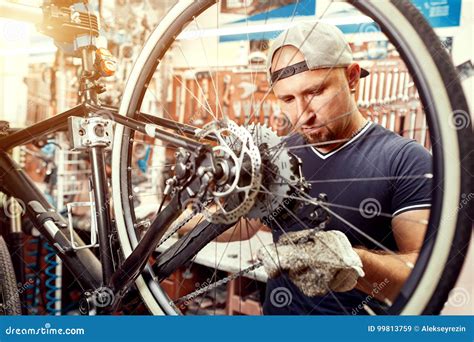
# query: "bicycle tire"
[[440, 260], [10, 296]]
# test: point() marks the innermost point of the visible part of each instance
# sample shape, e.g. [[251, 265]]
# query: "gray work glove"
[[316, 261]]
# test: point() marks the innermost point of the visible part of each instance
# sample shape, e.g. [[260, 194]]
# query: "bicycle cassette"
[[281, 170]]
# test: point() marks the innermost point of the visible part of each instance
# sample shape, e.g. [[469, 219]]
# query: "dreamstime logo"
[[370, 207], [270, 217], [463, 203], [13, 207], [106, 114], [458, 297], [280, 297], [200, 287], [370, 28], [22, 287], [459, 120], [103, 297], [282, 122], [376, 289]]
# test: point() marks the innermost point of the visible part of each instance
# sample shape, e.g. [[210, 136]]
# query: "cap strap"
[[289, 71]]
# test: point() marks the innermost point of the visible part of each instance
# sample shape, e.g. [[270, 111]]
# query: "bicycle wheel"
[[448, 120], [10, 298]]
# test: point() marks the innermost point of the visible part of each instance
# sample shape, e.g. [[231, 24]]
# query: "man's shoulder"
[[386, 138], [389, 143]]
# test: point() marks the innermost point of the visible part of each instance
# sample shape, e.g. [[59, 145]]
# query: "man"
[[377, 183]]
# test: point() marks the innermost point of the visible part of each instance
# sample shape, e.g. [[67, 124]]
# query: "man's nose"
[[304, 110]]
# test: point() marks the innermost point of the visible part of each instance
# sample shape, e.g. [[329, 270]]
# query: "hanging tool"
[[401, 85], [381, 88], [367, 91], [391, 124], [248, 89], [360, 93], [406, 87], [237, 106], [395, 79], [247, 106], [373, 91], [179, 109], [388, 84], [256, 111], [205, 99], [226, 96]]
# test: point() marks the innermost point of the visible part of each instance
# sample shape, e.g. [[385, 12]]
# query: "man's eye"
[[287, 100], [316, 92]]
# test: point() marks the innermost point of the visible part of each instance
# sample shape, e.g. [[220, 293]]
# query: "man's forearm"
[[385, 273]]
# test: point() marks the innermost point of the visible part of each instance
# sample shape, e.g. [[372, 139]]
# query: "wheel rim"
[[420, 283]]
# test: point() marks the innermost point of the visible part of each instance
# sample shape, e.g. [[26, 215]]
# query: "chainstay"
[[176, 227], [220, 282]]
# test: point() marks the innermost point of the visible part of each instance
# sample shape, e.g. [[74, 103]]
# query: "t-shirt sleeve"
[[412, 185]]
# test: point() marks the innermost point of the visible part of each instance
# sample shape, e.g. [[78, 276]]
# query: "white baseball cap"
[[323, 46]]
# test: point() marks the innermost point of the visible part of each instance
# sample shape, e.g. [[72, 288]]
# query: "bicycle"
[[202, 165]]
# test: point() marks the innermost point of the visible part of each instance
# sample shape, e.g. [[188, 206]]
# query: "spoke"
[[192, 260], [207, 106], [253, 77], [157, 167], [368, 179], [368, 237], [278, 58], [165, 111], [295, 126], [216, 89], [252, 254], [263, 245], [294, 246], [324, 143], [305, 226], [214, 275], [317, 202], [311, 200], [294, 132], [153, 144]]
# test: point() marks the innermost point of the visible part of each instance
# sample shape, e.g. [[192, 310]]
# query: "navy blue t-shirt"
[[372, 177]]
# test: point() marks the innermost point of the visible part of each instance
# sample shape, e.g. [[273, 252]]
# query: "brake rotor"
[[239, 157]]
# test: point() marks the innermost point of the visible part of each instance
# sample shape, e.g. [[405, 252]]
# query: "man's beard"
[[322, 136]]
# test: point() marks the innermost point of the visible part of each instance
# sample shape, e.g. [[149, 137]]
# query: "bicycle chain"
[[209, 287], [177, 227]]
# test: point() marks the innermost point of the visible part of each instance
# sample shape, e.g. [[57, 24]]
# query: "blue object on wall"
[[299, 8], [440, 13]]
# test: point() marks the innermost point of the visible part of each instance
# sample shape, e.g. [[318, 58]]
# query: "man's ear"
[[353, 75]]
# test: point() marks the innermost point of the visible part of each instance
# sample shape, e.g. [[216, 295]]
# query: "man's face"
[[317, 102]]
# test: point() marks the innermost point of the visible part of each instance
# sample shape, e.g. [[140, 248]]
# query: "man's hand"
[[316, 261]]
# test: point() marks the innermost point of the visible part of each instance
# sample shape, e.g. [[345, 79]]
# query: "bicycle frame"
[[83, 263], [90, 271]]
